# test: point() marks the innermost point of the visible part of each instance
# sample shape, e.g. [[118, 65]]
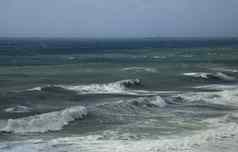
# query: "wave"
[[18, 109], [217, 87], [228, 96], [118, 87], [52, 121], [124, 87], [110, 88], [210, 76], [149, 102], [225, 69], [216, 135], [140, 69], [133, 107], [160, 57]]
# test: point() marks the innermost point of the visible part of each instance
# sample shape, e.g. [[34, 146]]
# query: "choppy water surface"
[[156, 95]]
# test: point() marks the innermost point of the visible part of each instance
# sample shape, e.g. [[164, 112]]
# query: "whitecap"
[[52, 121], [140, 69], [210, 76], [228, 96], [223, 69], [35, 89], [217, 133], [109, 88], [18, 109], [153, 101], [117, 87]]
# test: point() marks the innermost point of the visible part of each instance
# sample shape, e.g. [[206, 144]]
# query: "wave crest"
[[52, 121], [140, 69], [150, 102], [134, 107], [227, 97], [18, 109], [118, 87], [214, 138], [210, 76]]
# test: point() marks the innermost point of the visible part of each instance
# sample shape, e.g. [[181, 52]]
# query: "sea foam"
[[18, 109], [118, 87], [210, 76], [224, 95], [126, 87], [52, 121], [140, 69], [194, 142]]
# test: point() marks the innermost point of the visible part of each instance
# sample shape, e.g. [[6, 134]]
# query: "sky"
[[118, 18]]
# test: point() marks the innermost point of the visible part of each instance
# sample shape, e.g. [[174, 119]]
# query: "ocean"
[[118, 95]]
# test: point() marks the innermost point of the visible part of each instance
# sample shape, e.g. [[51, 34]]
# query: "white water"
[[155, 101], [226, 95], [118, 87], [140, 69], [204, 75], [110, 88], [52, 121], [217, 133], [18, 109]]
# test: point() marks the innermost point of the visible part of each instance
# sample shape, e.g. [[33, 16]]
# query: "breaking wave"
[[18, 109], [140, 69], [224, 95], [52, 121], [133, 107], [210, 76], [118, 87], [115, 87], [225, 69], [198, 141]]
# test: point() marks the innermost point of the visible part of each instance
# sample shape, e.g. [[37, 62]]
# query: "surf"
[[52, 121]]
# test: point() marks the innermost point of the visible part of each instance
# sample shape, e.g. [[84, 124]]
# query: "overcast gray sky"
[[118, 18]]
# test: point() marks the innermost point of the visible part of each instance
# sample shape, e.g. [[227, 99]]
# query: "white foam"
[[217, 87], [17, 109], [228, 96], [193, 142], [35, 89], [197, 74], [109, 88], [224, 76], [204, 75], [159, 57], [225, 69], [52, 121], [139, 69], [158, 101], [118, 87]]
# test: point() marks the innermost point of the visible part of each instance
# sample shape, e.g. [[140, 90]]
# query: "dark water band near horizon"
[[122, 95]]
